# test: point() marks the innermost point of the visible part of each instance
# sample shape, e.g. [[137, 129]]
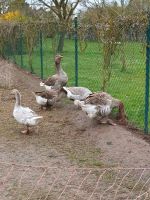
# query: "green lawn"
[[129, 86]]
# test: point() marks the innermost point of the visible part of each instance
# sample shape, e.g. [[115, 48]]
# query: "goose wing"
[[101, 98], [26, 112], [28, 116], [51, 81], [48, 94], [77, 93], [79, 90], [23, 114]]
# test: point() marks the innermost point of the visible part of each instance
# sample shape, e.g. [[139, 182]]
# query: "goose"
[[94, 110], [102, 98], [24, 115], [47, 98], [98, 112], [77, 93], [58, 80], [99, 105]]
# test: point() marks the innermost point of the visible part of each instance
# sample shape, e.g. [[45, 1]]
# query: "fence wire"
[[44, 182]]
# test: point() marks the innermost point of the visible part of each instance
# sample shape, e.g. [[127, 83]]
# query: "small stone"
[[109, 143]]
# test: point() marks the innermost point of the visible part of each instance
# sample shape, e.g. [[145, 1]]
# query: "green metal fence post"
[[21, 48], [41, 53], [146, 118], [76, 50]]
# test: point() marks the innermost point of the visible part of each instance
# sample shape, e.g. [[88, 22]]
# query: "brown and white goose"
[[77, 93], [99, 105], [48, 98], [58, 80]]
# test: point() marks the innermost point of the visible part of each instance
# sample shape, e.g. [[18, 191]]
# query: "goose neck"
[[59, 69], [18, 99]]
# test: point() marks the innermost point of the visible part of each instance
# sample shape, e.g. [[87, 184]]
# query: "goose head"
[[17, 95], [58, 59], [14, 91]]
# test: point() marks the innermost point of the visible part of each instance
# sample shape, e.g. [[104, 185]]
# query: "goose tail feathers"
[[42, 84], [79, 103], [38, 117]]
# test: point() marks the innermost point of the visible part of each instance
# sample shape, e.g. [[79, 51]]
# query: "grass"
[[129, 86], [91, 157]]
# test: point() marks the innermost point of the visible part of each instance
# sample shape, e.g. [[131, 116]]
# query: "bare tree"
[[64, 10], [122, 3], [144, 4], [3, 6]]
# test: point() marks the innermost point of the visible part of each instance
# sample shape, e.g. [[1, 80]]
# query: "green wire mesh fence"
[[85, 60]]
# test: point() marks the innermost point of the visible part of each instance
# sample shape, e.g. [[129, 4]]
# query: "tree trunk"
[[30, 63], [61, 42], [107, 48], [123, 59]]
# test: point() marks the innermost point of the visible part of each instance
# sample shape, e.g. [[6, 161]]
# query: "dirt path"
[[66, 144]]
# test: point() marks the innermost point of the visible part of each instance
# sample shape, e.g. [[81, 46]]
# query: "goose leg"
[[106, 120], [27, 131], [109, 121], [42, 107]]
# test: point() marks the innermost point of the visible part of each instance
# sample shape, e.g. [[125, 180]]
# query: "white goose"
[[24, 115], [77, 93]]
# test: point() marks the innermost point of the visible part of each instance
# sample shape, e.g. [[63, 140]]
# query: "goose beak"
[[12, 92]]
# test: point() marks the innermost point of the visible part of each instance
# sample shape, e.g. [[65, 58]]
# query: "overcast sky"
[[79, 7], [31, 1]]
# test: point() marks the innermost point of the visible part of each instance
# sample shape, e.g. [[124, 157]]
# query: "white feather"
[[70, 95], [105, 110], [26, 116], [78, 103], [40, 100], [91, 110], [42, 84], [47, 88]]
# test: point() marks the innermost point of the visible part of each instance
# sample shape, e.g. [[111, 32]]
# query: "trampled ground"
[[67, 156]]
